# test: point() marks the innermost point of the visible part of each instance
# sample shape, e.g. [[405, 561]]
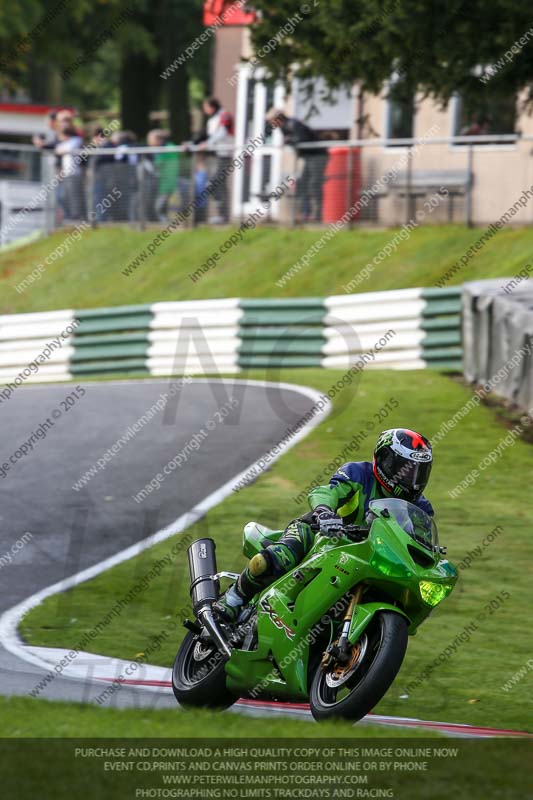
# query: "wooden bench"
[[422, 182]]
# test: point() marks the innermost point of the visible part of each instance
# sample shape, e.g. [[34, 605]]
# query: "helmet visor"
[[412, 476]]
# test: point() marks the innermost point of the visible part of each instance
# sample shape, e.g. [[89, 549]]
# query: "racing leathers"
[[347, 496]]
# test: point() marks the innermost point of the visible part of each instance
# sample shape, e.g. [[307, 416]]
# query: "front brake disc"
[[338, 675]]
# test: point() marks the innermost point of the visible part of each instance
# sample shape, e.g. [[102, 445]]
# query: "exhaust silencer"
[[204, 589], [202, 568]]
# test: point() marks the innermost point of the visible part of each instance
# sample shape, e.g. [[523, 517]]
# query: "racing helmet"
[[402, 463]]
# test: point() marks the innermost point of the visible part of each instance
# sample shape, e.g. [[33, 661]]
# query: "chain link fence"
[[469, 180]]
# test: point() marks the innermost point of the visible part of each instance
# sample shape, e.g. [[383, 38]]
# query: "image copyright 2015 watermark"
[[379, 185], [194, 444], [492, 457], [347, 379], [41, 432], [73, 237], [131, 431], [350, 448], [489, 609], [42, 358], [273, 43], [403, 235], [250, 223], [47, 189]]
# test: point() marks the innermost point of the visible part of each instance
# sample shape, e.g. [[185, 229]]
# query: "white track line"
[[10, 619]]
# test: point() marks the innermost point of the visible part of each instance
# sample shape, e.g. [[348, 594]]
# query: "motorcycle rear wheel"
[[352, 692], [199, 677]]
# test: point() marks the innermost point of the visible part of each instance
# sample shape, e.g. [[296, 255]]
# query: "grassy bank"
[[89, 273]]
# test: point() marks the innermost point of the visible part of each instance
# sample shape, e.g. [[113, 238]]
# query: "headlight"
[[434, 593]]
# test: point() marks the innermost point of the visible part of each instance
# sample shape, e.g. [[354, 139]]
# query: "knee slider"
[[258, 565]]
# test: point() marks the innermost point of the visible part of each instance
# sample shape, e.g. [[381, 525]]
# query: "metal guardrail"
[[413, 182]]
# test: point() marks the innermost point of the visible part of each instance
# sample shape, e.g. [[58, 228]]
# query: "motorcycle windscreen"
[[414, 521]]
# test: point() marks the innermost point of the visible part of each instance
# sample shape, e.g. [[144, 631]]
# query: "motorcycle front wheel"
[[351, 691], [199, 677]]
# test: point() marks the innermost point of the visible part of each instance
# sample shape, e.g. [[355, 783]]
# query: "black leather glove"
[[327, 519]]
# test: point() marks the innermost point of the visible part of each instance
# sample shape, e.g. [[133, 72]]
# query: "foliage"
[[436, 45], [40, 39]]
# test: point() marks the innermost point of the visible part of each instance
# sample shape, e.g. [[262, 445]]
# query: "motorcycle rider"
[[400, 468]]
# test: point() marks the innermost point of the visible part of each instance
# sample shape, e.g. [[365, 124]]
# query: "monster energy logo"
[[384, 439]]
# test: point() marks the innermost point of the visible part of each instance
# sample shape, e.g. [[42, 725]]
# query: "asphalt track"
[[77, 534], [74, 530]]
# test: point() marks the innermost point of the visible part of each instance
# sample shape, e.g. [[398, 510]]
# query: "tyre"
[[199, 677], [354, 690]]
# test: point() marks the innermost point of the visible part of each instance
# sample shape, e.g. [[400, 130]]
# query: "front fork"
[[340, 651]]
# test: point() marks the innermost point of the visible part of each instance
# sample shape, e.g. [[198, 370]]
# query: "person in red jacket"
[[219, 138]]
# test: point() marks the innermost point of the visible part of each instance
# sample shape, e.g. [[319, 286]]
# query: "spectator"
[[71, 195], [102, 166], [201, 181], [309, 189], [219, 138], [149, 178], [166, 171], [48, 140], [125, 176], [168, 167], [57, 121]]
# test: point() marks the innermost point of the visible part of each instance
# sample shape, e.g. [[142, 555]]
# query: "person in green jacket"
[[400, 468], [167, 168]]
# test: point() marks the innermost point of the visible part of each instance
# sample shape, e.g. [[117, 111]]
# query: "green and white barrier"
[[282, 333], [425, 325], [36, 347], [195, 337], [405, 329]]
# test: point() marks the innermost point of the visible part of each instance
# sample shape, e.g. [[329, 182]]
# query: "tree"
[[436, 46], [122, 45]]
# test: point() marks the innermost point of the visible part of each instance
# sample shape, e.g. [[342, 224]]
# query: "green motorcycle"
[[332, 631]]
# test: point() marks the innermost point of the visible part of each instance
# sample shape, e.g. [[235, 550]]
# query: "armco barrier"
[[498, 335], [405, 329]]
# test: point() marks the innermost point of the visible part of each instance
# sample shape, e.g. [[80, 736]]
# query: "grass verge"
[[68, 720], [89, 274]]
